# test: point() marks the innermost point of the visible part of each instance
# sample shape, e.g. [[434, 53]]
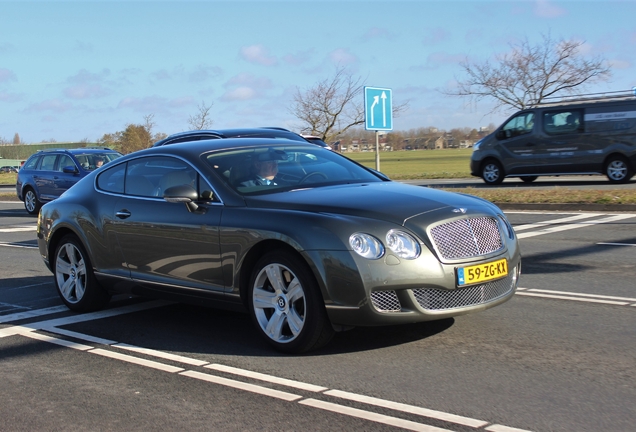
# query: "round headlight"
[[402, 244], [366, 245]]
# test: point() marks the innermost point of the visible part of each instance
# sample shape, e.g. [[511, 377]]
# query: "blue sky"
[[77, 70]]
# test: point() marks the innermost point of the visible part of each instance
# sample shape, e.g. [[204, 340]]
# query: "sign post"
[[378, 114]]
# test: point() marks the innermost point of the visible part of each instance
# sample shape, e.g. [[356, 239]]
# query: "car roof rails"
[[589, 97]]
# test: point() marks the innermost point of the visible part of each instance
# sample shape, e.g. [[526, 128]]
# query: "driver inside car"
[[264, 168]]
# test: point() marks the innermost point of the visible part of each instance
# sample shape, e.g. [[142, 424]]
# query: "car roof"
[[79, 150], [195, 148], [264, 132]]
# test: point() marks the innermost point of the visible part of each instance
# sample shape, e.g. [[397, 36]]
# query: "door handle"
[[123, 214]]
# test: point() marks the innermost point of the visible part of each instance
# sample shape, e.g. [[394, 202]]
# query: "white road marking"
[[612, 218], [500, 428], [80, 336], [371, 416], [136, 360], [18, 246], [556, 221], [617, 244], [242, 386], [161, 354], [267, 378], [438, 415], [56, 341], [18, 229], [574, 296], [32, 313]]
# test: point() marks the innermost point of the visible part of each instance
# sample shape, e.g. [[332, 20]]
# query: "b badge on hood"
[[460, 210]]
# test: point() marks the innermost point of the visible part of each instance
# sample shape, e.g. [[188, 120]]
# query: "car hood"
[[389, 201]]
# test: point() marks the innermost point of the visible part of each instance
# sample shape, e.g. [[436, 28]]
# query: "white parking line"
[[371, 416], [396, 406], [242, 386], [612, 218], [32, 314], [557, 221], [18, 229], [574, 296]]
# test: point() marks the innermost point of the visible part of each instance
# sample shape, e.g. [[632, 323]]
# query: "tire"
[[528, 179], [74, 278], [31, 202], [618, 170], [492, 172], [286, 304]]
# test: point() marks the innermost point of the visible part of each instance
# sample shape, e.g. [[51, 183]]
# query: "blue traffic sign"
[[378, 111]]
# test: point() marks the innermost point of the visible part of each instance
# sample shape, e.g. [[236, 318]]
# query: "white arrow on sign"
[[383, 109], [376, 100]]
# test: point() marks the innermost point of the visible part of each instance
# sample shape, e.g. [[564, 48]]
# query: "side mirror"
[[183, 194], [71, 169], [500, 135]]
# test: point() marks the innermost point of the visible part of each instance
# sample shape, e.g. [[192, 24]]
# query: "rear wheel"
[[74, 278], [286, 304], [618, 170], [528, 179], [31, 202], [492, 172]]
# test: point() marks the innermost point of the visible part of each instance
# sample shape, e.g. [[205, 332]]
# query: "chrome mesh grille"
[[386, 301], [467, 238], [438, 300]]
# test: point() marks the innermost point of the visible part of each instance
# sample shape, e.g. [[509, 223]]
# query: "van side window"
[[563, 122], [519, 125]]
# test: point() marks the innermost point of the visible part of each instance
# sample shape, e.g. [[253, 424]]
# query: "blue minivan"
[[49, 173]]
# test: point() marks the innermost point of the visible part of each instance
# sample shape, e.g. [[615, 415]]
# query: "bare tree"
[[16, 138], [529, 73], [201, 120], [332, 106]]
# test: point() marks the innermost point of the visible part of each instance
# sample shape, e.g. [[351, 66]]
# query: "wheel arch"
[[260, 249]]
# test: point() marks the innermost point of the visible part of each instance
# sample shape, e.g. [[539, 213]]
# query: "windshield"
[[91, 161], [285, 167]]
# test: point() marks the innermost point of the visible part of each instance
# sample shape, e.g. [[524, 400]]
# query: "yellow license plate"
[[482, 272]]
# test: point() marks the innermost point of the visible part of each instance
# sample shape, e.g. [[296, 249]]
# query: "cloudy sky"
[[77, 70]]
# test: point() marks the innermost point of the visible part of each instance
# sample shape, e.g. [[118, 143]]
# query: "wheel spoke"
[[62, 267], [295, 291], [263, 299], [67, 288], [275, 326], [275, 276], [295, 321]]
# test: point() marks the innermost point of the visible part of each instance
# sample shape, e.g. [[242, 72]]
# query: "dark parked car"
[[49, 173], [197, 135], [328, 244]]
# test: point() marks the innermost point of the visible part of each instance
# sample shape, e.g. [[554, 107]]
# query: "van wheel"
[[529, 179], [618, 170], [492, 172]]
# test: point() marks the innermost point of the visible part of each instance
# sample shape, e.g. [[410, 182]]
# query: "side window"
[[152, 176], [48, 162], [31, 163], [64, 161], [519, 125], [112, 179], [562, 122]]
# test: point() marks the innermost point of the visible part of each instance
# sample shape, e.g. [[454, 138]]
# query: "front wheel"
[[74, 278], [31, 202], [286, 305], [492, 173], [618, 170]]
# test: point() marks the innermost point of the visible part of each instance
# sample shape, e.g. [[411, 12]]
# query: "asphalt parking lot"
[[557, 357]]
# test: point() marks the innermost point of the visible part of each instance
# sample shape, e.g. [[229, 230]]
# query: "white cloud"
[[343, 57], [546, 9], [258, 54], [240, 94], [55, 105], [299, 58], [378, 33], [6, 75]]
